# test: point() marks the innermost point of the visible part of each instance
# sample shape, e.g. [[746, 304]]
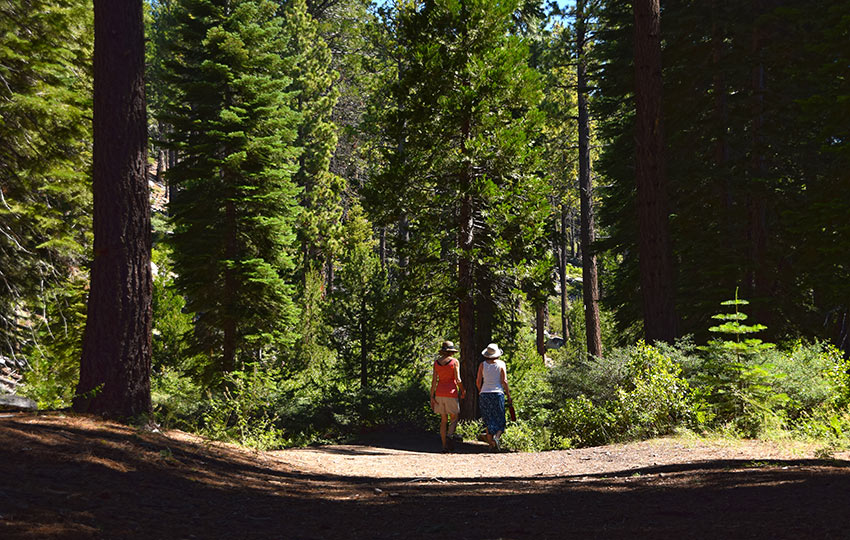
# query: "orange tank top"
[[446, 386]]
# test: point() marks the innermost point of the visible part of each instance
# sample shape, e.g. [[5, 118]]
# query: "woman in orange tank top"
[[445, 388]]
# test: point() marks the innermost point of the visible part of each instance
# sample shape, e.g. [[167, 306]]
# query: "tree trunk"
[[382, 249], [485, 312], [757, 278], [364, 350], [330, 269], [562, 271], [403, 241], [116, 360], [466, 308], [655, 255], [228, 362], [541, 321], [572, 221], [590, 279]]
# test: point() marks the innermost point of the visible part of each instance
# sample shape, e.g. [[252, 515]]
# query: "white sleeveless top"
[[492, 377]]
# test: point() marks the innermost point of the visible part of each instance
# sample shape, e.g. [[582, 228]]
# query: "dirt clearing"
[[77, 477]]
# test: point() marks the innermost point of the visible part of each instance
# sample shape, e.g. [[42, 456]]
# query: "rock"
[[17, 403]]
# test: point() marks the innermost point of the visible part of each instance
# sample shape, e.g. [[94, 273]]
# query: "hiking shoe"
[[498, 445]]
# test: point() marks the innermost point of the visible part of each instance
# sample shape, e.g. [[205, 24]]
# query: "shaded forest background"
[[339, 186]]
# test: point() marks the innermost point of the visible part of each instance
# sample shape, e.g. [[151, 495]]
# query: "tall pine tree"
[[115, 366], [475, 199], [235, 206]]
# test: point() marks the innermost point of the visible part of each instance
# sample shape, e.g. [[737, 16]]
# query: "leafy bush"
[[656, 398], [595, 378], [585, 424], [812, 376], [525, 436], [649, 398]]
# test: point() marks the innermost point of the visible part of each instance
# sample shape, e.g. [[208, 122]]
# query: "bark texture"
[[655, 254], [590, 274], [116, 362]]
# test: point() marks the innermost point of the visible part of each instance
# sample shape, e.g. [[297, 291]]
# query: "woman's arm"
[[433, 384], [458, 382], [505, 383], [479, 380]]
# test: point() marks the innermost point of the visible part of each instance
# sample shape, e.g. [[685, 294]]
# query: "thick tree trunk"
[[590, 278], [116, 361], [757, 231], [655, 254], [562, 271]]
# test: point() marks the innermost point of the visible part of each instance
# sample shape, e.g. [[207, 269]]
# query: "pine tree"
[[655, 257], [45, 158], [315, 97], [753, 162], [235, 203], [358, 303], [590, 274], [477, 208], [115, 366], [560, 134]]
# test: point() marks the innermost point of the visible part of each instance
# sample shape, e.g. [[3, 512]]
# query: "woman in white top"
[[492, 382]]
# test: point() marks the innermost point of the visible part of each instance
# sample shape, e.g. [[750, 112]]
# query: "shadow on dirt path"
[[408, 440], [76, 477]]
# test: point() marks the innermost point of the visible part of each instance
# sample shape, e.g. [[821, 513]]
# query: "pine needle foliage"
[[45, 160], [313, 85], [233, 212]]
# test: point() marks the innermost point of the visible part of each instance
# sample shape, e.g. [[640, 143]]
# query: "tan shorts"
[[446, 405]]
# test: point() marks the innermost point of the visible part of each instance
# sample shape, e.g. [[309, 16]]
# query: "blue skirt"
[[492, 405]]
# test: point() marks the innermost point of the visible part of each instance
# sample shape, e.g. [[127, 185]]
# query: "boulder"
[[11, 402]]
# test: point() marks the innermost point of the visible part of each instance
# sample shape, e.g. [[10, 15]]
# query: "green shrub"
[[656, 398], [585, 424], [649, 399], [812, 376], [177, 399], [595, 378], [244, 410], [525, 436]]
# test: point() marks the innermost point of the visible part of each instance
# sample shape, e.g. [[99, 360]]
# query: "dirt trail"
[[75, 477]]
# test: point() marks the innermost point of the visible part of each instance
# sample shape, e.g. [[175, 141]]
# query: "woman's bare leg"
[[453, 424], [443, 421]]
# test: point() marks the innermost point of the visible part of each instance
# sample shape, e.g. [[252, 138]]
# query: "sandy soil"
[[77, 477]]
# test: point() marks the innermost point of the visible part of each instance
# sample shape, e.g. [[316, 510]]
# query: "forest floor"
[[64, 476]]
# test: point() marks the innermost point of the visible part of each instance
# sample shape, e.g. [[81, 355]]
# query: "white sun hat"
[[492, 351]]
